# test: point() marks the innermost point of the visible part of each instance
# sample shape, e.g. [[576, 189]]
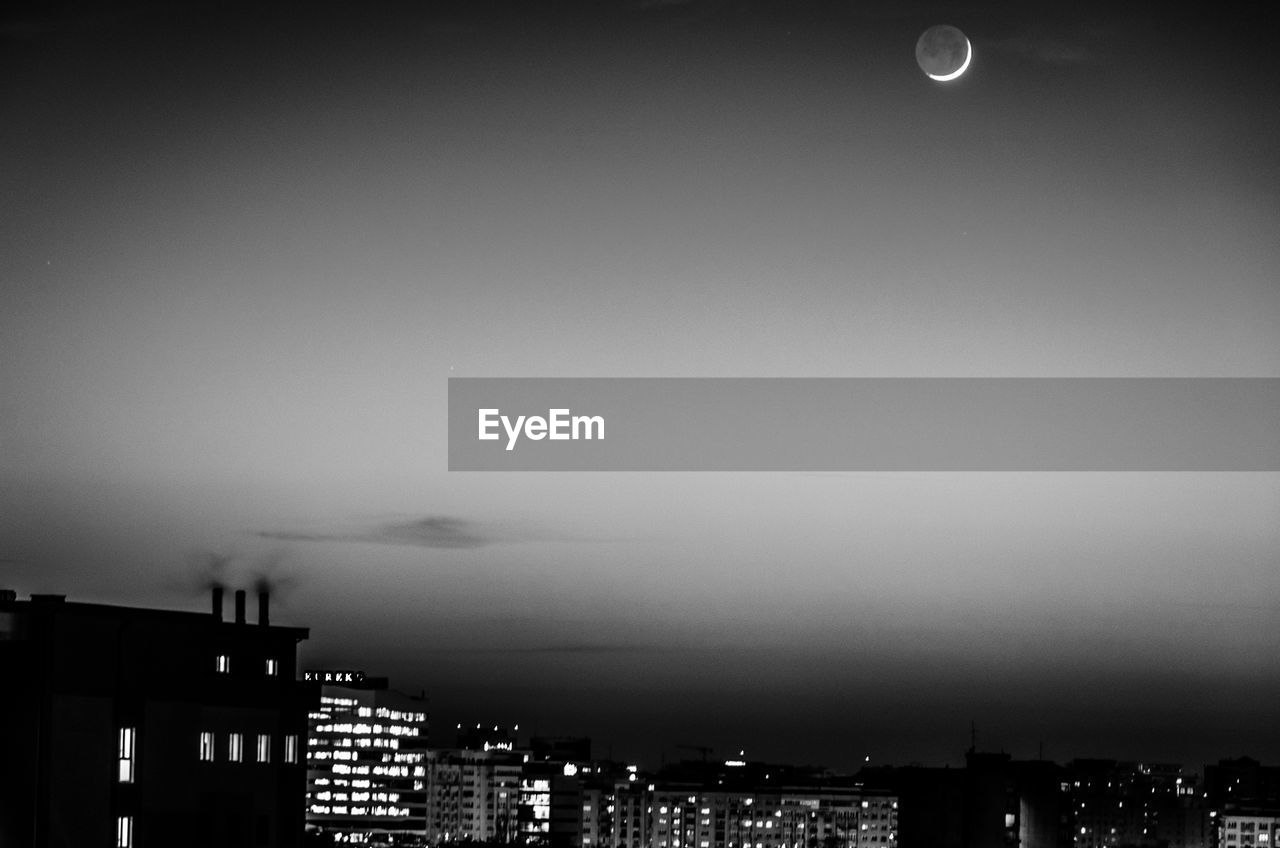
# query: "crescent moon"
[[968, 54]]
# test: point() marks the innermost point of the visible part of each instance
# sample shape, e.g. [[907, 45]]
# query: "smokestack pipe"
[[240, 596], [264, 607], [217, 603]]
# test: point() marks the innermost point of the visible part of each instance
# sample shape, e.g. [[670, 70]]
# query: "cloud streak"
[[1058, 45], [432, 531], [573, 648]]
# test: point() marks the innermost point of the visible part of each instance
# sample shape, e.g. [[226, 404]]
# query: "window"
[[291, 748], [124, 831], [126, 754], [206, 746], [224, 664], [264, 748], [273, 668], [235, 747]]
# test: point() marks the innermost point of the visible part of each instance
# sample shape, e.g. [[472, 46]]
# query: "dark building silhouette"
[[1242, 782], [931, 803], [1245, 796], [563, 749], [1136, 805], [993, 802], [486, 737], [132, 728]]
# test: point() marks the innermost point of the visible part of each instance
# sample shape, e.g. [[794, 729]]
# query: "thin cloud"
[[1046, 52], [432, 531], [576, 648], [1058, 45], [437, 531]]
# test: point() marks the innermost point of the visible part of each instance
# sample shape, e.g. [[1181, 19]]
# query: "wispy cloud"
[[1058, 45], [432, 531], [572, 648]]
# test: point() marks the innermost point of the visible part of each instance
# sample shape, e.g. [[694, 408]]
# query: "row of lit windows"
[[359, 752], [360, 729], [344, 810], [235, 747], [337, 702], [370, 712], [361, 742], [222, 663], [326, 795]]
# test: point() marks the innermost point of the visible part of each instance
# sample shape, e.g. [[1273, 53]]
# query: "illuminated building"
[[550, 805], [1248, 828], [737, 804], [366, 764], [615, 812], [793, 818], [136, 727], [473, 794]]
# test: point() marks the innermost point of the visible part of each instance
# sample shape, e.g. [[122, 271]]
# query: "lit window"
[[273, 668], [206, 746], [124, 831], [224, 664], [264, 748], [235, 747], [126, 754], [291, 748]]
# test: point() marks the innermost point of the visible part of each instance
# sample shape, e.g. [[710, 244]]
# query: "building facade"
[[132, 728], [366, 764], [1248, 828], [473, 794]]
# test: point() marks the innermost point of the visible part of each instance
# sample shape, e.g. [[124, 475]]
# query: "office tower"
[[366, 763]]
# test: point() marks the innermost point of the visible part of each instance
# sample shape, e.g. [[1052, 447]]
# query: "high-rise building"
[[473, 794], [366, 764], [134, 728]]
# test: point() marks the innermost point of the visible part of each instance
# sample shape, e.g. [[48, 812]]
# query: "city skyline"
[[243, 253]]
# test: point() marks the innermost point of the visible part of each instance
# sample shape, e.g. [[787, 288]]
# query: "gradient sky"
[[242, 250]]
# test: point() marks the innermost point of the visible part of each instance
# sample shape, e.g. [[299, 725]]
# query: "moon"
[[943, 52]]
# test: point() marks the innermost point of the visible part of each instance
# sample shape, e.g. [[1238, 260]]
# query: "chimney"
[[240, 595], [217, 603], [264, 607]]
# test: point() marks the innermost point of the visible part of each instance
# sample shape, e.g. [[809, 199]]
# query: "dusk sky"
[[242, 250]]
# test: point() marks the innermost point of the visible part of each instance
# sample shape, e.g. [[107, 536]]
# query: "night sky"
[[243, 249]]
